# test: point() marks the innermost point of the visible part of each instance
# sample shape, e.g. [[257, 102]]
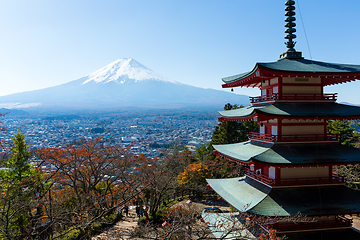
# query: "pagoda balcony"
[[259, 177], [269, 138], [338, 222], [331, 97], [334, 179]]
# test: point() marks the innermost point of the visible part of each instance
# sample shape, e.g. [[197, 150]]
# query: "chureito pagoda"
[[290, 162]]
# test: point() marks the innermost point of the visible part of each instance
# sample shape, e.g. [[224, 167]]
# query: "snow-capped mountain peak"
[[131, 86], [122, 70]]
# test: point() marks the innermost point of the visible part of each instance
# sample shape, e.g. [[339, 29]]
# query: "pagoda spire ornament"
[[290, 30], [290, 24]]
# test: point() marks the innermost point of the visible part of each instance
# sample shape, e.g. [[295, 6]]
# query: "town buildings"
[[152, 134]]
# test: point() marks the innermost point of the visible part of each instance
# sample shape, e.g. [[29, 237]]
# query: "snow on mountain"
[[123, 69], [123, 84]]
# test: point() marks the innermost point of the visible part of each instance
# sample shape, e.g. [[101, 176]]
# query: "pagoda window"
[[272, 172], [262, 128], [252, 167], [274, 130], [263, 92], [276, 89]]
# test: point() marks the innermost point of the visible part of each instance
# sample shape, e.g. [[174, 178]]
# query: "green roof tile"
[[249, 196], [310, 66], [334, 110], [299, 66], [322, 153], [309, 201], [238, 192]]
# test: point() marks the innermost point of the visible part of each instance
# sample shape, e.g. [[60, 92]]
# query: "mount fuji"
[[123, 84]]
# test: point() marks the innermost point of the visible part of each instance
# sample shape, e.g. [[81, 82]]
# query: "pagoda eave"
[[249, 196], [300, 111], [294, 154], [337, 74]]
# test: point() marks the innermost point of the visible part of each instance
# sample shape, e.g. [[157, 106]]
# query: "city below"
[[151, 133]]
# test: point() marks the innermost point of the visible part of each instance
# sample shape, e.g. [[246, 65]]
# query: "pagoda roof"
[[301, 110], [294, 154], [249, 196], [299, 67]]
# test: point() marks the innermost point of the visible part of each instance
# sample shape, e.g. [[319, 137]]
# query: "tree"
[[226, 132], [21, 187], [347, 134], [161, 176], [195, 173], [91, 185], [232, 132]]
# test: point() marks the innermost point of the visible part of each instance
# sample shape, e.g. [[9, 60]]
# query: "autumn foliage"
[[194, 173], [90, 185]]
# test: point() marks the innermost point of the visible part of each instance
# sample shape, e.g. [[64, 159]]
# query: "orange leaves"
[[194, 173], [272, 235], [93, 179]]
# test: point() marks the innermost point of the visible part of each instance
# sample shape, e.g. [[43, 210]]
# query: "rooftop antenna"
[[290, 30]]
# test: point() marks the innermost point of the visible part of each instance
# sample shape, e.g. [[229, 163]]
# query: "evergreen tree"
[[347, 134], [232, 132], [20, 184], [226, 132]]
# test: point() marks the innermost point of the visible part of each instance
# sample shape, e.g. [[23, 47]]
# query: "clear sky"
[[45, 43]]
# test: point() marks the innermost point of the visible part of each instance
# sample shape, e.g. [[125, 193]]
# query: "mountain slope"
[[124, 83]]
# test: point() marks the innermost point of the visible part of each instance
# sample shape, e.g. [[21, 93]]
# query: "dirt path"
[[131, 220], [127, 222]]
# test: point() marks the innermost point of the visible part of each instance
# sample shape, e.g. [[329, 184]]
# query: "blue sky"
[[45, 43]]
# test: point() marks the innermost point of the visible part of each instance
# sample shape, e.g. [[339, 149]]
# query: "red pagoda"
[[290, 161]]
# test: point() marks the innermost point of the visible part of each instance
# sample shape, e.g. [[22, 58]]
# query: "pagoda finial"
[[290, 24], [290, 30]]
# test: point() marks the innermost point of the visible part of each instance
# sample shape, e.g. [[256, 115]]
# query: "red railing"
[[262, 137], [259, 177], [294, 97], [292, 138], [325, 96], [265, 98], [334, 179], [288, 227]]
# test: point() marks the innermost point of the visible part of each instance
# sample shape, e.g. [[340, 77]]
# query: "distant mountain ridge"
[[122, 84]]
